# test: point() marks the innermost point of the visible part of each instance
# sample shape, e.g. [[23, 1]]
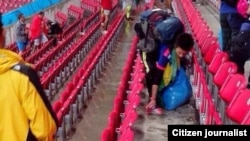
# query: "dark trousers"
[[230, 26]]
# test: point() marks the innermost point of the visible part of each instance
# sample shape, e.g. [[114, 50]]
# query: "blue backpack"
[[168, 29], [157, 24]]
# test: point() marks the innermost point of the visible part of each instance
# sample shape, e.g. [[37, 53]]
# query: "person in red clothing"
[[106, 10], [36, 29]]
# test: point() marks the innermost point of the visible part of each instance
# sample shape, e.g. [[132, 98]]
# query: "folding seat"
[[229, 90], [199, 31], [128, 122], [131, 104], [118, 104], [113, 123], [206, 46], [218, 59], [223, 73], [210, 53], [135, 88], [128, 135], [204, 36], [106, 135], [239, 108], [246, 120], [67, 112], [138, 78], [57, 105], [202, 99]]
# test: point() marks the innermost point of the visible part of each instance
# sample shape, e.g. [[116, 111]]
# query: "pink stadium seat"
[[206, 46], [239, 107], [203, 38], [128, 121], [232, 86], [128, 135], [224, 71], [106, 135], [113, 123], [218, 59], [228, 91], [210, 53], [246, 120]]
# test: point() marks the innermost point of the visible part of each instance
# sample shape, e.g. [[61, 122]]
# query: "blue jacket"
[[224, 8]]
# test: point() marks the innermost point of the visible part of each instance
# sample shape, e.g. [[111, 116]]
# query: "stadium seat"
[[229, 90], [223, 73], [239, 107]]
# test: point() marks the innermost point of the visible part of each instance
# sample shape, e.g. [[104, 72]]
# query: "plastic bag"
[[177, 93]]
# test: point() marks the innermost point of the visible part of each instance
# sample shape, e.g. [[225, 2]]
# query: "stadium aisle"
[[95, 116]]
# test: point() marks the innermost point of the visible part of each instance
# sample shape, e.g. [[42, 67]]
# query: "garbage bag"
[[177, 93]]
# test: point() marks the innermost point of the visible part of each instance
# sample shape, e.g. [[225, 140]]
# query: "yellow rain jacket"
[[25, 112]]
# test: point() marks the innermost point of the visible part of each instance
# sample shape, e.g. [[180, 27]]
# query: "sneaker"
[[155, 111]]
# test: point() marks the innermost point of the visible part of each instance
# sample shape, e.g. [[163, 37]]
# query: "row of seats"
[[75, 11], [124, 112], [219, 89], [73, 97], [7, 5]]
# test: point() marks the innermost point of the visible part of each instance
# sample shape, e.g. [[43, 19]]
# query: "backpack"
[[156, 24], [167, 30], [242, 7], [232, 3]]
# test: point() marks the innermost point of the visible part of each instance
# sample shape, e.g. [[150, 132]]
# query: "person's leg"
[[21, 47], [235, 21], [225, 31], [106, 20]]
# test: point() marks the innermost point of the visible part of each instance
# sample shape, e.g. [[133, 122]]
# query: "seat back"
[[239, 108], [218, 59], [210, 53], [232, 86], [224, 72]]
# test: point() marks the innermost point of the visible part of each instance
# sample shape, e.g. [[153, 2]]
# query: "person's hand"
[[151, 104]]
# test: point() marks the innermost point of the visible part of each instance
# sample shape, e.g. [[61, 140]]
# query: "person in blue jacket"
[[230, 22]]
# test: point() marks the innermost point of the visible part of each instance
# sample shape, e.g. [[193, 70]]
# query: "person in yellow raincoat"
[[127, 6], [26, 113]]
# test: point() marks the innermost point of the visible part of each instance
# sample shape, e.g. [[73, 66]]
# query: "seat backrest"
[[218, 59], [128, 135], [232, 86], [113, 123], [239, 108], [205, 35], [224, 71], [205, 47], [57, 106], [211, 52], [106, 135]]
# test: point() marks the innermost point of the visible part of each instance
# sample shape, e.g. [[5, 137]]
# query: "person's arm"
[[42, 120], [163, 60]]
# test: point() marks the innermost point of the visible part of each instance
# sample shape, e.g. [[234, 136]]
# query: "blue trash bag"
[[177, 92]]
